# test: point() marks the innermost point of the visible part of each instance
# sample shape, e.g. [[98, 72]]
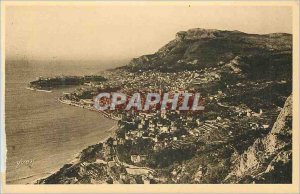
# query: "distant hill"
[[198, 48]]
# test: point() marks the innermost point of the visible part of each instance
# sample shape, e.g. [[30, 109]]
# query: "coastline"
[[75, 158], [68, 102], [72, 160], [37, 90]]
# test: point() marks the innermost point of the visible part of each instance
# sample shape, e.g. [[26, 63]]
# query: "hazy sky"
[[117, 32]]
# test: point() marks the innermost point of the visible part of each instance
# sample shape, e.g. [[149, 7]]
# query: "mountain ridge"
[[198, 48]]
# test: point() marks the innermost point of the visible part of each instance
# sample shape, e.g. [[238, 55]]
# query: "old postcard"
[[150, 97]]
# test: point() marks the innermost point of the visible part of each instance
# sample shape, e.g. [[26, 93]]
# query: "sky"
[[107, 32]]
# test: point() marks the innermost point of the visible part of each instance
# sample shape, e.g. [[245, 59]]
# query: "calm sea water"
[[40, 131]]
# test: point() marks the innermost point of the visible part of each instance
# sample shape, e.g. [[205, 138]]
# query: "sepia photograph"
[[160, 93]]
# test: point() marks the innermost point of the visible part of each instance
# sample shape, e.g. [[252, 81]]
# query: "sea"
[[42, 134]]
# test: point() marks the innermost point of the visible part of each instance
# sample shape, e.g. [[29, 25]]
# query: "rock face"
[[268, 160], [197, 33]]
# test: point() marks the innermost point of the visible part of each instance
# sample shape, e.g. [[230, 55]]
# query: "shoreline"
[[72, 160], [37, 90], [68, 102], [75, 159]]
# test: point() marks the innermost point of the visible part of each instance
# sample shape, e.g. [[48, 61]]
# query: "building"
[[138, 158], [164, 129]]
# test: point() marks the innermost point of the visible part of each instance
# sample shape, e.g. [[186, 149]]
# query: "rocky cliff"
[[269, 159]]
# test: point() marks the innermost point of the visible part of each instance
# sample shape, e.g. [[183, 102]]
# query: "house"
[[128, 136], [108, 153], [88, 102], [139, 134], [266, 126], [135, 158], [173, 128], [151, 129], [195, 132], [138, 158], [154, 139], [121, 141], [164, 129], [151, 124], [115, 142]]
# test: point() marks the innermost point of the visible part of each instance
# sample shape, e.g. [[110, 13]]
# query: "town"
[[187, 101]]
